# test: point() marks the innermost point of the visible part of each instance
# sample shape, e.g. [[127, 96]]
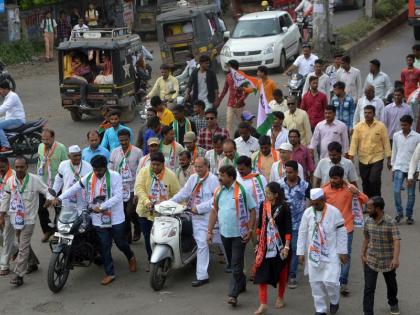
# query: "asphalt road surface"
[[131, 293]]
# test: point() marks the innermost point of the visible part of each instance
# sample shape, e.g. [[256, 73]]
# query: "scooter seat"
[[27, 125]]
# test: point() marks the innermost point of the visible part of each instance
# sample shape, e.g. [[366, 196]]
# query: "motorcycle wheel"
[[27, 146], [158, 274], [57, 272], [76, 115], [12, 84]]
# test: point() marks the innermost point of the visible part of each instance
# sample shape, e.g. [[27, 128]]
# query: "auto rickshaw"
[[190, 29], [96, 70]]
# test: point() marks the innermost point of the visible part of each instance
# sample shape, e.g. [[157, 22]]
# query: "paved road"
[[343, 17], [131, 293]]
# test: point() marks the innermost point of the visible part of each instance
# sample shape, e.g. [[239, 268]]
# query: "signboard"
[[2, 6]]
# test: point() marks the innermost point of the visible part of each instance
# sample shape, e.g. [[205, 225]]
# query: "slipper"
[[17, 281], [4, 272]]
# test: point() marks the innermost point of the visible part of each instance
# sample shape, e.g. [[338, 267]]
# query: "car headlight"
[[269, 49], [417, 12], [226, 51], [63, 228]]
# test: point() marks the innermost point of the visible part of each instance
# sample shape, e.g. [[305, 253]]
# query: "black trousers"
[[131, 216], [44, 216], [371, 277], [371, 177], [235, 252]]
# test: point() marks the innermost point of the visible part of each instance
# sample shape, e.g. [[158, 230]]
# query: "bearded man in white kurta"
[[323, 240], [198, 193]]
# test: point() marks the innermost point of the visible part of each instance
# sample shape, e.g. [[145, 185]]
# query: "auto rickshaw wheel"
[[76, 115]]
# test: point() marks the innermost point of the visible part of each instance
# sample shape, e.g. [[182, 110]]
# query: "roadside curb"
[[353, 49]]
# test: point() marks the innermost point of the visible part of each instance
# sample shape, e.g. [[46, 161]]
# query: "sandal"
[[4, 272], [17, 281], [232, 301]]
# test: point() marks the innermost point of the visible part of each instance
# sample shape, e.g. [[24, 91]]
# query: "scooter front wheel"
[[57, 271], [158, 274]]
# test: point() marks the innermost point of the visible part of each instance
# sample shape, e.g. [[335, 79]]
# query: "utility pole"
[[321, 32], [370, 8]]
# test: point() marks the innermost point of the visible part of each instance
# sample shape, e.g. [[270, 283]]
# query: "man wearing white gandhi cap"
[[69, 172], [323, 240], [278, 169]]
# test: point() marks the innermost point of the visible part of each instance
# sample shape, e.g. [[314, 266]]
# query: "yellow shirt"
[[163, 87], [299, 120], [166, 117], [68, 70], [370, 143], [142, 189]]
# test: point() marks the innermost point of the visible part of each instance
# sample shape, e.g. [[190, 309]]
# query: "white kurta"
[[200, 220], [277, 176], [214, 160], [65, 178], [250, 185], [133, 161], [336, 239]]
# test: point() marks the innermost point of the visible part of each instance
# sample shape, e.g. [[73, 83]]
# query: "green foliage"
[[20, 51], [356, 30]]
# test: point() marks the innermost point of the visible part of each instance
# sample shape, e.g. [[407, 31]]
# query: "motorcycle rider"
[[191, 66], [198, 193], [304, 64], [108, 215], [14, 112], [306, 7]]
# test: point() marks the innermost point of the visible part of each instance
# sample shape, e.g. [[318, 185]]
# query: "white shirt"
[[304, 65], [359, 114], [282, 137], [414, 162], [276, 176], [324, 84], [336, 238], [80, 29], [324, 165], [381, 82], [13, 107], [249, 186], [214, 160], [247, 147], [66, 178], [206, 193], [403, 149], [133, 163], [331, 72], [115, 203], [353, 81], [144, 162]]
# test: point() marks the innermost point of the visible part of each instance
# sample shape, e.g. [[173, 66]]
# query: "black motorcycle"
[[5, 76], [75, 244], [24, 140]]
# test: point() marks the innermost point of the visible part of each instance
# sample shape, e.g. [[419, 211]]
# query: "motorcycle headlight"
[[226, 51], [269, 49], [63, 228]]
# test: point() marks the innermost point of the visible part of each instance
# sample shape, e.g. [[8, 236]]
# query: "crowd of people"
[[292, 192]]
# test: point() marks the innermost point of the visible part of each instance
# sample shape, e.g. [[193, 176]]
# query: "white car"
[[268, 38]]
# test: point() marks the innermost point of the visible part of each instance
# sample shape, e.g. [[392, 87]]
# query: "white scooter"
[[172, 241]]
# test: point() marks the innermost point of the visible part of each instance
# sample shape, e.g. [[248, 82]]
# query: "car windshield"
[[256, 28]]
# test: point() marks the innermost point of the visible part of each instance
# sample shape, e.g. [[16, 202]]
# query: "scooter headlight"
[[63, 228], [170, 232]]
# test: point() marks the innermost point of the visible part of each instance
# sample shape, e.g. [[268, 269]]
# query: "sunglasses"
[[210, 118]]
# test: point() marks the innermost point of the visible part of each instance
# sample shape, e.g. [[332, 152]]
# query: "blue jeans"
[[398, 180], [345, 269], [8, 124], [106, 235], [294, 260]]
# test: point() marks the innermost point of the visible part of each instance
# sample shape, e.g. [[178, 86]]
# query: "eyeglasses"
[[290, 104], [210, 118]]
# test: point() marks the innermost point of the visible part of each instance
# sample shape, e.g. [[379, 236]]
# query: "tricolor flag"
[[243, 80], [264, 119]]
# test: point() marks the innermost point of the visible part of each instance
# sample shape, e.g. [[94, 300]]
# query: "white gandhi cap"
[[74, 149], [316, 193]]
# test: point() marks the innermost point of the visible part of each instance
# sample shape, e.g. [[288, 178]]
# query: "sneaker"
[[398, 218], [344, 290], [6, 150], [334, 308], [395, 310], [410, 221], [292, 283]]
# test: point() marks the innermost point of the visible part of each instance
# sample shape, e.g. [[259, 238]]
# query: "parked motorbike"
[[24, 140], [75, 245], [295, 84], [5, 75], [172, 241]]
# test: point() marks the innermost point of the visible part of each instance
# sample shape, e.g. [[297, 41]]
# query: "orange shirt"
[[269, 87], [342, 199]]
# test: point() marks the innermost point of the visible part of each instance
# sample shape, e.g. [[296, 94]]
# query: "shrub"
[[19, 51]]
